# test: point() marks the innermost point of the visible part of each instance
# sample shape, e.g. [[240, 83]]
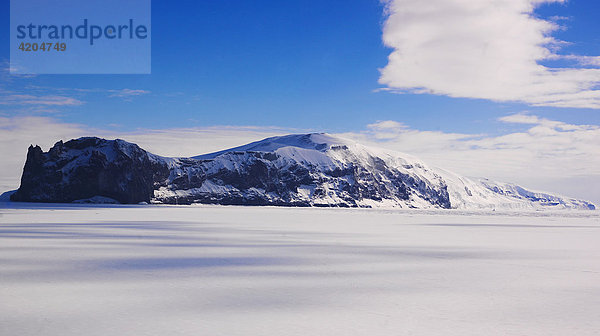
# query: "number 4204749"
[[42, 46]]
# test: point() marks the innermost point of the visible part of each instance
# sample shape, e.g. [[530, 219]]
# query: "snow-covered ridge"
[[313, 141], [466, 193], [314, 169]]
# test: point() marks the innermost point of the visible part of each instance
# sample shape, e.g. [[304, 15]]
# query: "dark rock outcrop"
[[88, 167]]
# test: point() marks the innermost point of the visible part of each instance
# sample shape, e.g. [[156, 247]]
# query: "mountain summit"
[[314, 169]]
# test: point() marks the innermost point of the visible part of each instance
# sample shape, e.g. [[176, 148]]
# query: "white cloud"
[[521, 118], [387, 129], [389, 132], [387, 125], [483, 49]]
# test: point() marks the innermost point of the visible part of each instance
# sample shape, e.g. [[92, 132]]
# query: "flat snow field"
[[203, 270]]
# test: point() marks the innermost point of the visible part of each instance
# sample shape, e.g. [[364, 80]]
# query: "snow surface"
[[203, 270]]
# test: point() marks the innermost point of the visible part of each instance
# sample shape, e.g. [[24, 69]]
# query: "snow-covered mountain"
[[295, 170]]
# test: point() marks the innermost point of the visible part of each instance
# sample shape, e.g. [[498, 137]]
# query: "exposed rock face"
[[259, 178], [88, 167], [293, 170]]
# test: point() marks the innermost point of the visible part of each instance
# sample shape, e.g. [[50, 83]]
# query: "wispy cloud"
[[5, 73], [127, 93], [39, 99], [483, 49], [45, 100], [119, 93], [593, 61], [389, 132]]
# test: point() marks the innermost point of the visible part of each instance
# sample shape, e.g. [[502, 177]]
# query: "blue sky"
[[302, 64], [516, 91]]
